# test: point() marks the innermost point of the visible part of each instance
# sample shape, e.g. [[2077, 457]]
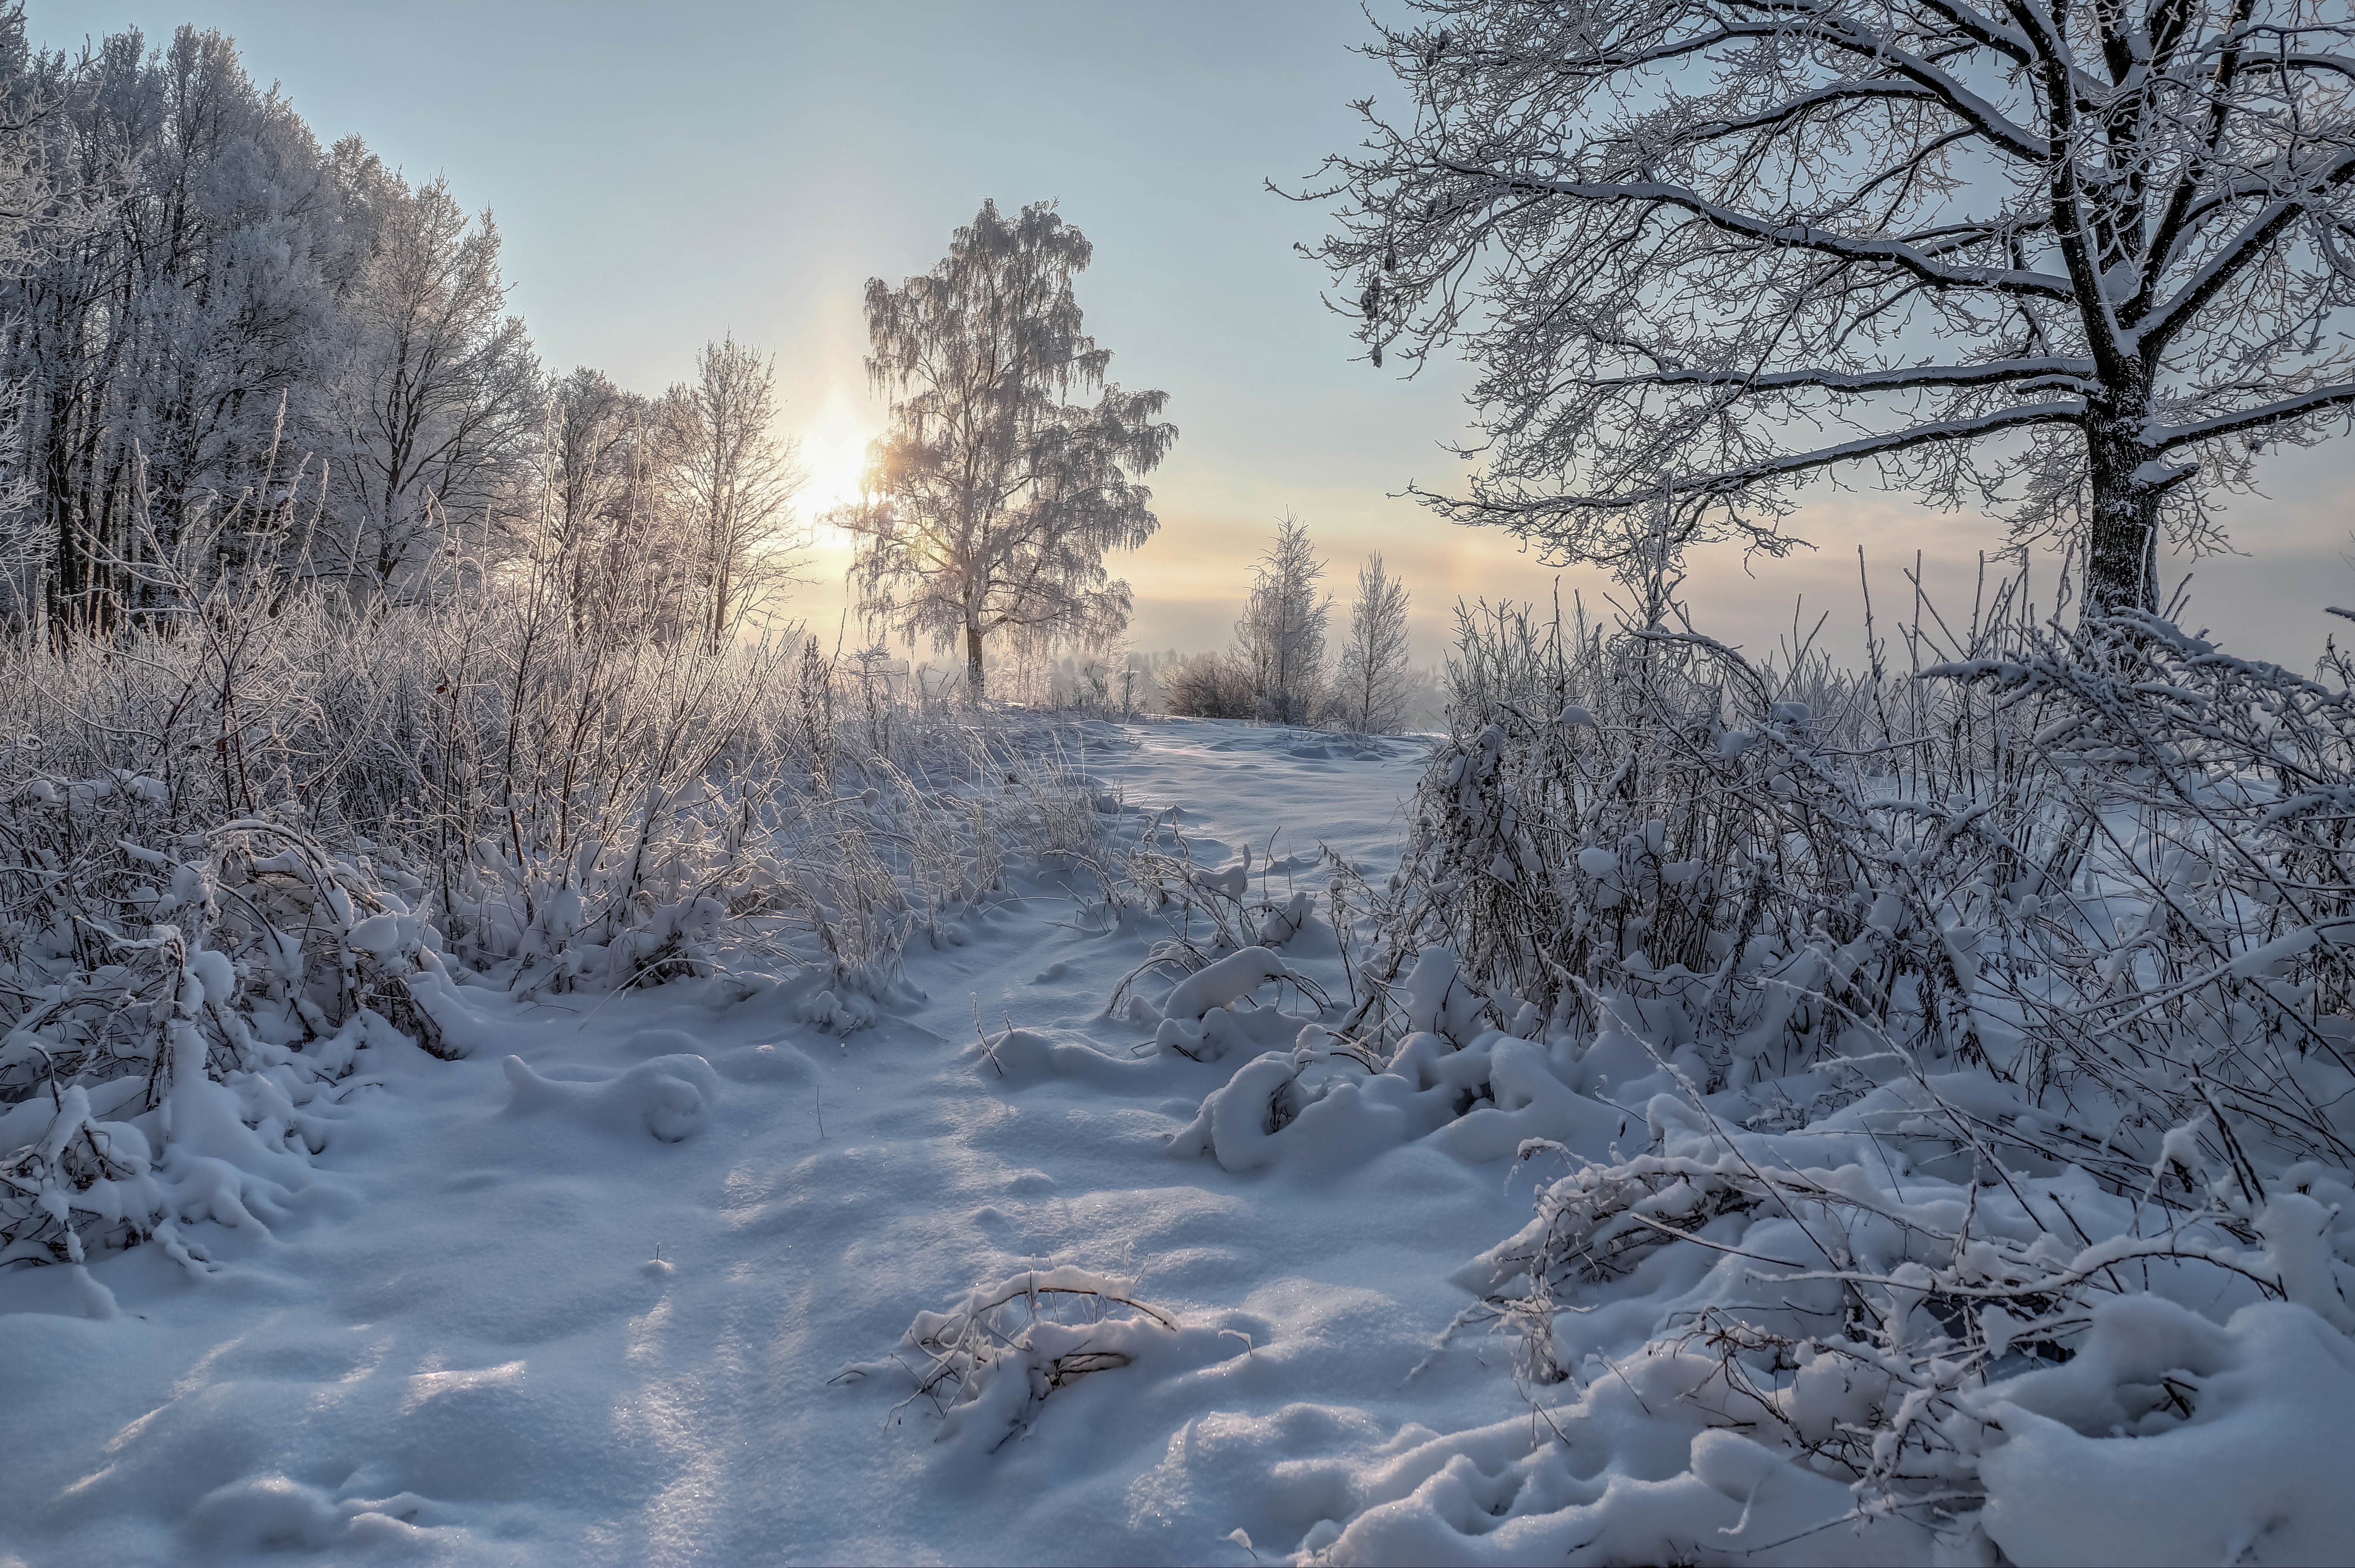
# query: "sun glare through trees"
[[677, 886]]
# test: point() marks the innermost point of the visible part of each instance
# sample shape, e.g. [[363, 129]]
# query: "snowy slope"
[[458, 1346]]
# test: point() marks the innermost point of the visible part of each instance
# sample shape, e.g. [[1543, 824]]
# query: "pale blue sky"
[[664, 173]]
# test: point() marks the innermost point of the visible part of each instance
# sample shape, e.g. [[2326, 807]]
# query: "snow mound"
[[1023, 1056], [1303, 1109], [266, 1513], [1625, 1475], [2168, 1438], [1222, 982], [1221, 1033], [771, 1063], [670, 1097], [1321, 1106]]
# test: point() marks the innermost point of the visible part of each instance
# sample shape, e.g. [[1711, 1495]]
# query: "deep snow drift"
[[675, 1276]]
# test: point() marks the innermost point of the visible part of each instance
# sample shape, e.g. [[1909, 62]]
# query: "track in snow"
[[459, 1348]]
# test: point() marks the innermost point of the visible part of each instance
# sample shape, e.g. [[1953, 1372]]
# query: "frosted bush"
[[1909, 1068], [260, 832], [184, 1005]]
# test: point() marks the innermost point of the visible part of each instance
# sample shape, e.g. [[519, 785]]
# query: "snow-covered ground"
[[665, 1276], [457, 1344]]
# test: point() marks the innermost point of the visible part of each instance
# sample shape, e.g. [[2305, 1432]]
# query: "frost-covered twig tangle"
[[1915, 1061], [989, 1362]]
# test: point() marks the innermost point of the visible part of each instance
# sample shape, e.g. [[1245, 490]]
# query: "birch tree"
[[1280, 641], [991, 499], [1375, 683], [2075, 260], [734, 480]]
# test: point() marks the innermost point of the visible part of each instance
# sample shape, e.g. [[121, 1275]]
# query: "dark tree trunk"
[[973, 676], [2121, 550]]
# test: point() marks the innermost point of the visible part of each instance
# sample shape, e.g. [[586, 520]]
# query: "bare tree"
[[1280, 641], [2075, 259], [735, 480], [992, 501], [1376, 683]]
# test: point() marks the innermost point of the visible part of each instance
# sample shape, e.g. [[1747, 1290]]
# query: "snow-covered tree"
[[22, 193], [619, 533], [733, 480], [2074, 260], [587, 459], [169, 314], [1280, 641], [1375, 685], [439, 402], [22, 108], [992, 501]]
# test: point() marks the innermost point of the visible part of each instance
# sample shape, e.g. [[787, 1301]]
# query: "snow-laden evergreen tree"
[[1375, 684], [1280, 641], [2075, 260], [992, 500]]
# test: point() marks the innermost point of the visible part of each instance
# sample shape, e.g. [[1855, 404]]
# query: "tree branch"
[[2167, 437]]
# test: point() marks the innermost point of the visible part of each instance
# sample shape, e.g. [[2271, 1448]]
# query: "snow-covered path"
[[458, 1347]]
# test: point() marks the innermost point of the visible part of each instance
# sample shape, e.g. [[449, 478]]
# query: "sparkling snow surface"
[[463, 1349], [458, 1344]]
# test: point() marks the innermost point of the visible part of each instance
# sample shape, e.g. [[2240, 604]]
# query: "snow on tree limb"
[[2012, 260]]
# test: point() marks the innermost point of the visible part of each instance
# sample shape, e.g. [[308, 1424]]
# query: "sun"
[[834, 451]]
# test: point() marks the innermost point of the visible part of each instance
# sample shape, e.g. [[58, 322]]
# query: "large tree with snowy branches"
[[992, 501], [2075, 260]]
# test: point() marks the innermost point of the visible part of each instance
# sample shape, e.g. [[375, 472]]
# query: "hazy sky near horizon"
[[664, 174]]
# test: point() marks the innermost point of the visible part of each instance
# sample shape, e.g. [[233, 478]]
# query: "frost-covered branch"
[[1676, 240]]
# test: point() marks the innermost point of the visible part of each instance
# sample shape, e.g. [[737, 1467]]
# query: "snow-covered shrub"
[[990, 1361], [1208, 686], [181, 1003], [1896, 1054], [668, 1097], [268, 820], [2110, 859], [1222, 947]]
